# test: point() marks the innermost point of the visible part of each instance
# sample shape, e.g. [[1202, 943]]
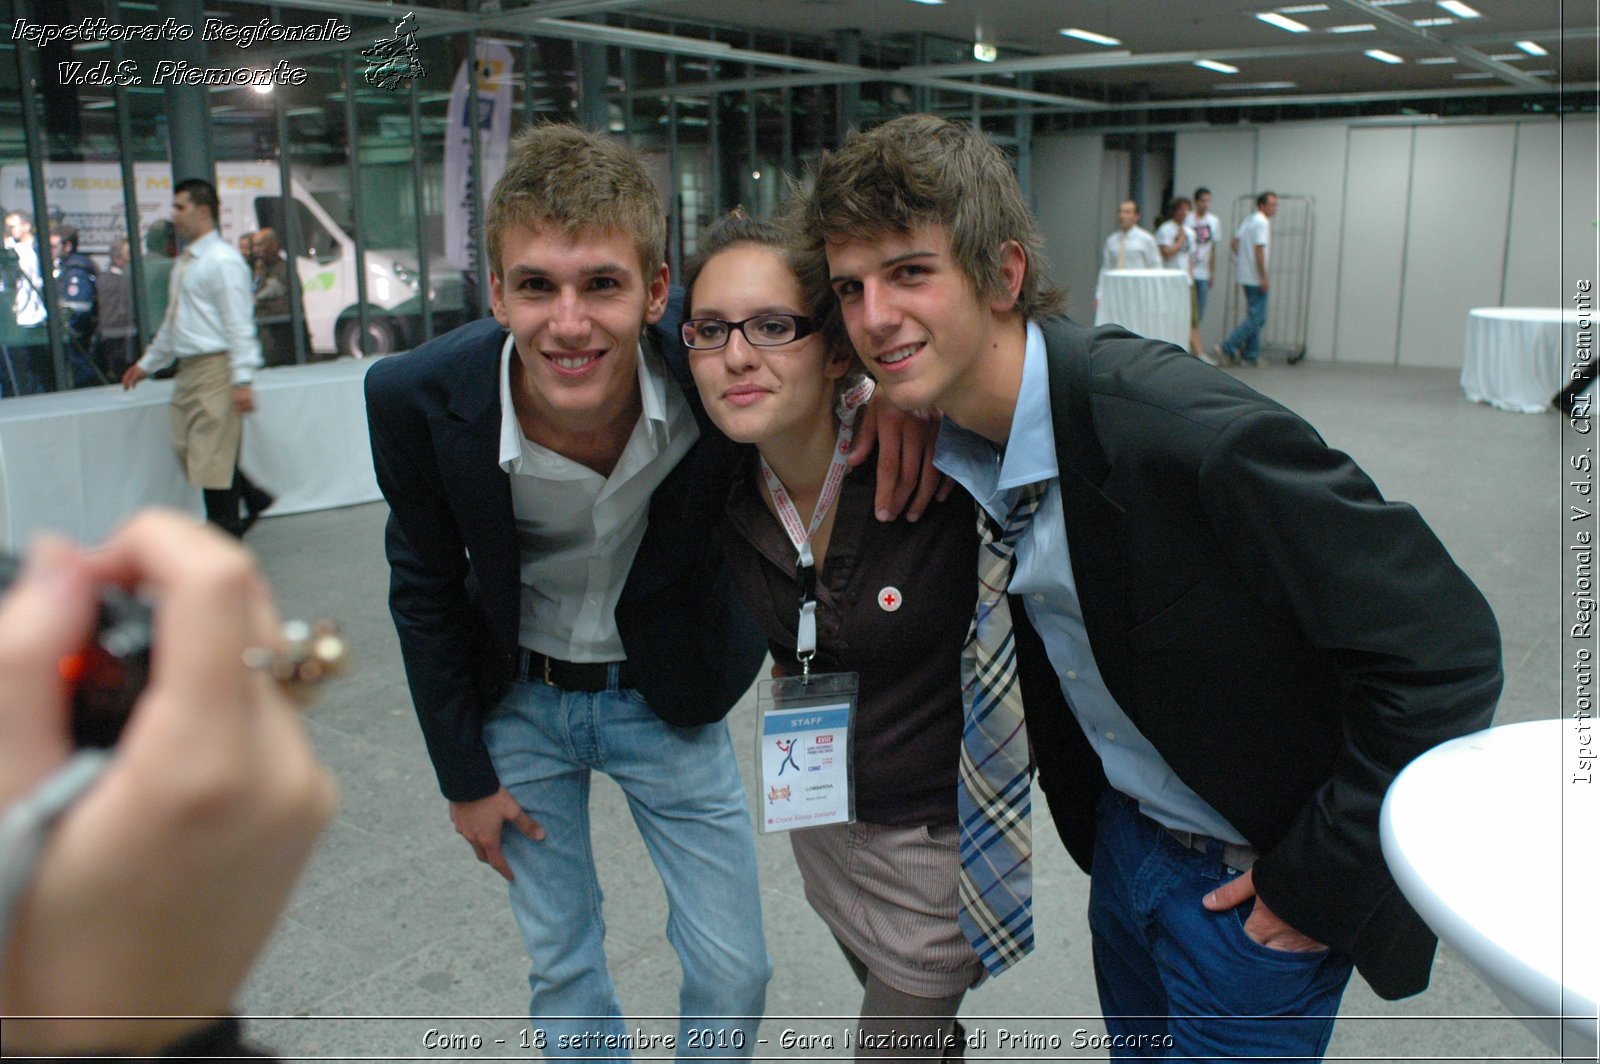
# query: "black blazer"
[[1284, 636], [455, 584]]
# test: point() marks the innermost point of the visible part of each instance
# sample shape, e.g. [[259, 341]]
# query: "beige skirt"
[[206, 428], [889, 894]]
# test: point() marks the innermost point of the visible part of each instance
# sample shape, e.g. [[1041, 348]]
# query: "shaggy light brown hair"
[[922, 170]]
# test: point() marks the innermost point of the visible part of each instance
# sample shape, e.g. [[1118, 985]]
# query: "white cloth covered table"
[[1153, 303], [1494, 838], [81, 462], [1517, 358]]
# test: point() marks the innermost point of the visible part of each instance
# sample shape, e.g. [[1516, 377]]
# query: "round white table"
[[1153, 303], [1494, 838], [1517, 358]]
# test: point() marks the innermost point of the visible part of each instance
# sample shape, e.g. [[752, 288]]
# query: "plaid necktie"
[[993, 800]]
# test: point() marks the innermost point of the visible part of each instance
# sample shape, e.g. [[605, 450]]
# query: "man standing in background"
[[22, 281], [1128, 247], [1172, 237], [209, 330], [272, 299], [1202, 227], [78, 282], [117, 346], [1250, 268]]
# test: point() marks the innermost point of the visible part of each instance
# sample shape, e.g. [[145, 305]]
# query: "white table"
[[1153, 303], [1498, 849], [1517, 358], [80, 462]]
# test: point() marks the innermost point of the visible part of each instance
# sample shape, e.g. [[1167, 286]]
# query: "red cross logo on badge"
[[889, 599]]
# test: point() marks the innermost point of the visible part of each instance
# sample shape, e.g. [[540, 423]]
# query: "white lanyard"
[[799, 535]]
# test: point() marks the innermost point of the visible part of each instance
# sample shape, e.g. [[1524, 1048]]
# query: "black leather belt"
[[588, 676]]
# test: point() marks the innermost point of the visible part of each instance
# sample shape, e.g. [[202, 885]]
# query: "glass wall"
[[352, 154]]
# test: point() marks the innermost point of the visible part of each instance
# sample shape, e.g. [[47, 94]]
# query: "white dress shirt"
[[28, 305], [578, 532], [210, 308], [1135, 247]]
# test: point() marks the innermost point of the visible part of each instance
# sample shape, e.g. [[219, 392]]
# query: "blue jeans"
[[1245, 340], [1178, 981], [687, 798], [1202, 288]]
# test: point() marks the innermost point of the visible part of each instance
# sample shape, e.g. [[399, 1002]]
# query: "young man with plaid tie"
[[1228, 642]]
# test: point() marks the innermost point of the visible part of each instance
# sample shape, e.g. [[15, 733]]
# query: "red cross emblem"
[[889, 599]]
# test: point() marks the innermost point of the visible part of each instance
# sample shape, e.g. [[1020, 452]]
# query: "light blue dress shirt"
[[1044, 579]]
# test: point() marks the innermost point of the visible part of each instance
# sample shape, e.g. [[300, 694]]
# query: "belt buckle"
[[548, 682]]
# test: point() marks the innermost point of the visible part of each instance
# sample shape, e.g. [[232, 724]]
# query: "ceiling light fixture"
[[1090, 36], [1302, 9], [984, 53], [1436, 60], [930, 3], [1532, 48], [1250, 85], [1476, 75], [1353, 27], [1212, 64], [1382, 56], [1460, 10], [1509, 57], [1283, 22], [1442, 20]]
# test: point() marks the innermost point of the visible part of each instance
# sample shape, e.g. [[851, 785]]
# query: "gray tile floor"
[[396, 931]]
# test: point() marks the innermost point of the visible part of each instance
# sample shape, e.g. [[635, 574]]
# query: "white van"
[[89, 196]]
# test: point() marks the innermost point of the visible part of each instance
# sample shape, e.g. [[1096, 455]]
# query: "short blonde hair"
[[571, 180]]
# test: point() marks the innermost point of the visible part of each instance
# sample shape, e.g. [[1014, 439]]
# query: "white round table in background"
[[1517, 358], [1497, 846], [1153, 303]]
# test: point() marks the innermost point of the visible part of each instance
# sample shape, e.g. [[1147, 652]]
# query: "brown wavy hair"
[[921, 170]]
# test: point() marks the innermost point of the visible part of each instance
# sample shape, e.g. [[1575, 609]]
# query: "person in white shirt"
[[210, 331], [1202, 227], [26, 360], [1250, 268], [1129, 247], [1172, 237]]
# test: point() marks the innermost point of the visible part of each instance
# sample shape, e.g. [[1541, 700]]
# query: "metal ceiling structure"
[[1234, 59], [1333, 52]]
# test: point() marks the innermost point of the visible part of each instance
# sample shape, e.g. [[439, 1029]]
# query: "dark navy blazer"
[[434, 419], [1284, 636]]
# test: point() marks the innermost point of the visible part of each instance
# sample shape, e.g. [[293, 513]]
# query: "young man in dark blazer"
[[1228, 642], [560, 609]]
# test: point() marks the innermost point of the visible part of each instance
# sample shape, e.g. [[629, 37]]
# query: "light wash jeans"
[[687, 798], [1245, 340], [1178, 981]]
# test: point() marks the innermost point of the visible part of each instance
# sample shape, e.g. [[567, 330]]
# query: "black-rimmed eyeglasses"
[[763, 330]]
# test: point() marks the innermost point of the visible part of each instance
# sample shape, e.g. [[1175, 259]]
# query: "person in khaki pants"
[[209, 329]]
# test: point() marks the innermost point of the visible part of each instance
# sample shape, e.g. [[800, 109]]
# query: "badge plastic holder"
[[805, 751]]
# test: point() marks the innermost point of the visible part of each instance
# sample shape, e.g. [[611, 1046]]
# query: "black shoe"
[[257, 500]]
